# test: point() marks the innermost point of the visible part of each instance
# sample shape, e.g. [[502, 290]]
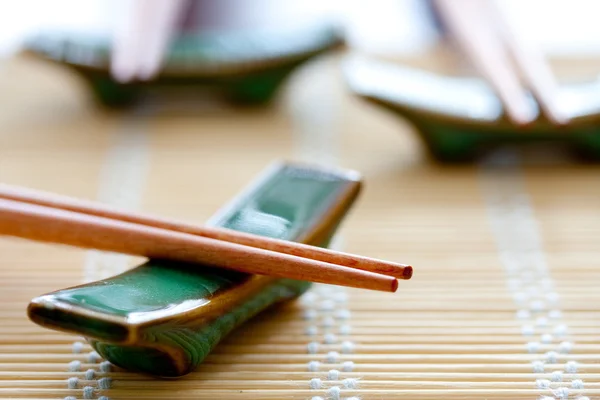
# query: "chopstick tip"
[[122, 74], [394, 285], [522, 118], [407, 273], [559, 118]]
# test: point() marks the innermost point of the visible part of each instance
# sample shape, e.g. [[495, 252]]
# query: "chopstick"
[[489, 42], [96, 226], [139, 48], [27, 195], [534, 68], [52, 225]]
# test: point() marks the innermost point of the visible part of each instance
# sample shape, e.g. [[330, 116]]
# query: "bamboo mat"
[[503, 303]]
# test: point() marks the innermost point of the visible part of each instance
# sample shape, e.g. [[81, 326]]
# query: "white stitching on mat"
[[324, 312], [93, 357], [88, 392], [72, 382], [316, 140], [315, 383], [520, 246], [105, 366], [90, 374], [77, 347], [121, 183], [334, 392], [74, 366]]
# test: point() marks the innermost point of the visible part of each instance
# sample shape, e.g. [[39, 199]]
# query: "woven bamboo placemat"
[[503, 303]]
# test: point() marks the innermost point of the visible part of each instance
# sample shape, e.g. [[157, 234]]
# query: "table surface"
[[506, 260]]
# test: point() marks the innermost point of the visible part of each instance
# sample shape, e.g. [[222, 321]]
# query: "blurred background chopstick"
[[513, 68], [140, 44]]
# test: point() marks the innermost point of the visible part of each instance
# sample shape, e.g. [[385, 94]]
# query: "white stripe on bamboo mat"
[[121, 185], [329, 323], [529, 281], [314, 110]]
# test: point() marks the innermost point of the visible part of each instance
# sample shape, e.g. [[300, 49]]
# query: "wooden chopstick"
[[45, 224], [400, 271], [484, 48], [534, 68], [489, 42], [139, 48]]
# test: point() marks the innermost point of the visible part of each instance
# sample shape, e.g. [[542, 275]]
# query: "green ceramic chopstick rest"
[[245, 67], [459, 119], [163, 318]]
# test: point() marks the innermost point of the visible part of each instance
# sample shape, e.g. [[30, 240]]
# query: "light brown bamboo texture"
[[454, 331]]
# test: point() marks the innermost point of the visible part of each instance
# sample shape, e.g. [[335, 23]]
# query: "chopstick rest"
[[245, 68], [163, 318], [460, 119]]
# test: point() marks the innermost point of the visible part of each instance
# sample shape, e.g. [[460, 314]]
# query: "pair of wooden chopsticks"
[[47, 217], [490, 43]]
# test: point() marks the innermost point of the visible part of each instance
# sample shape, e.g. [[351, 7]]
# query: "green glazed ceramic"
[[246, 67], [459, 119], [163, 318]]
